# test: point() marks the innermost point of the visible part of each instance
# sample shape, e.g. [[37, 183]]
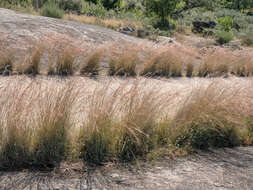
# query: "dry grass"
[[92, 64], [46, 121], [123, 61], [165, 63], [33, 64], [108, 23]]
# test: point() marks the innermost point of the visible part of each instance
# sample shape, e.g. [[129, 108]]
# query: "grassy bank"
[[44, 122]]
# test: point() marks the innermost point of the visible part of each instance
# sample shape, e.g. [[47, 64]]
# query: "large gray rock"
[[19, 31]]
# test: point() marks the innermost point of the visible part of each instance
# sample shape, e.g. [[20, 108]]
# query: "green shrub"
[[51, 9], [224, 37], [226, 23], [96, 10]]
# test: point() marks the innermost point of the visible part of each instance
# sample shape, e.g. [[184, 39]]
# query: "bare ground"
[[217, 169]]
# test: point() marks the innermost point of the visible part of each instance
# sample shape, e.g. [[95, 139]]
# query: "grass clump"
[[163, 64], [50, 9], [205, 69], [207, 121], [15, 144], [32, 66], [224, 37], [15, 132], [137, 126], [96, 140], [96, 134], [189, 70], [64, 64], [51, 137], [123, 65], [91, 67]]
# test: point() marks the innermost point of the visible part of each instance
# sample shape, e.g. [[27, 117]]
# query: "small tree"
[[162, 8]]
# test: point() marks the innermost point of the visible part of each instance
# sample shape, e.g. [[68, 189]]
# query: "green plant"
[[224, 37], [163, 8], [226, 22], [50, 9]]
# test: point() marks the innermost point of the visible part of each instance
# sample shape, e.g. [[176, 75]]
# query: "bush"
[[224, 37], [226, 23], [50, 9], [96, 10]]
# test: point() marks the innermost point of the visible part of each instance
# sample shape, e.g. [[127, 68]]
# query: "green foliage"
[[223, 37], [97, 10], [50, 9], [226, 23]]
